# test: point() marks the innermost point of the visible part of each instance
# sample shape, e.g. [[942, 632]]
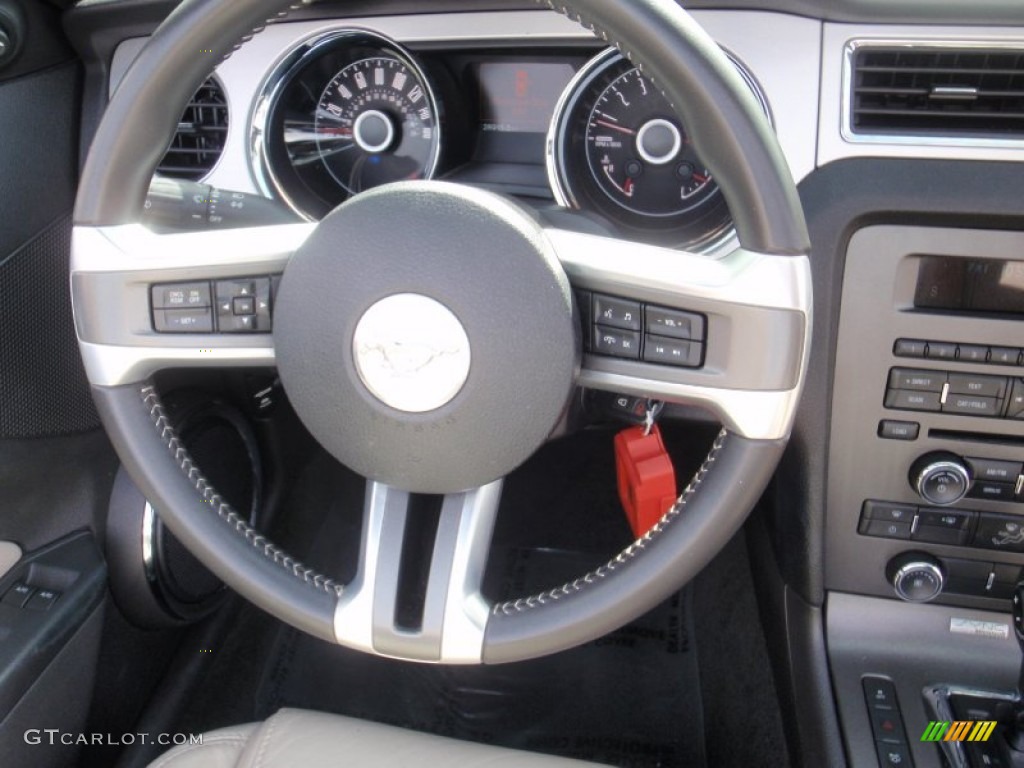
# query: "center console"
[[925, 501]]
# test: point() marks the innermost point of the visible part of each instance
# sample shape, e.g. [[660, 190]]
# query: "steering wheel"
[[427, 335]]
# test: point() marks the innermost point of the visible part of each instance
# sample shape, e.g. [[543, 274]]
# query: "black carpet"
[[686, 685]]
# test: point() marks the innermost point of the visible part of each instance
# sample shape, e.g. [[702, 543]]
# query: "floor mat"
[[631, 698]]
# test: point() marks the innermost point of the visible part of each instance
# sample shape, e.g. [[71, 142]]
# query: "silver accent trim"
[[112, 269], [737, 288], [148, 542], [942, 465], [455, 613], [837, 140], [918, 565], [411, 352], [300, 53]]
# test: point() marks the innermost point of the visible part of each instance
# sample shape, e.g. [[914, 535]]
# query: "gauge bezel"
[[296, 62], [719, 237]]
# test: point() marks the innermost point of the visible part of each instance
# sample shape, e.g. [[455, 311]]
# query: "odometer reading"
[[639, 154], [375, 123]]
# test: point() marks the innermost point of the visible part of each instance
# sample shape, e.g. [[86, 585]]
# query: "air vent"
[[922, 91], [200, 137]]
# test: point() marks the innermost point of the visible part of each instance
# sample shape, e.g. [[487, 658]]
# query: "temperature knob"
[[940, 477], [916, 577]]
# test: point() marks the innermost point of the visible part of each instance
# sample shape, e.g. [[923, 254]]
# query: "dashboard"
[[529, 104]]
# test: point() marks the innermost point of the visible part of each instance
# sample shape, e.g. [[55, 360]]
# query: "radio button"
[[1016, 407], [972, 353], [908, 400], [1004, 356], [890, 429], [941, 350], [999, 471], [913, 378], [909, 348], [970, 384], [987, 489], [971, 405]]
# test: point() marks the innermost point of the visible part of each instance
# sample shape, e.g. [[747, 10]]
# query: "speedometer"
[[617, 148], [376, 123]]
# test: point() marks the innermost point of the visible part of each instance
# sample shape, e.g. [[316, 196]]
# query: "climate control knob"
[[940, 477], [916, 577]]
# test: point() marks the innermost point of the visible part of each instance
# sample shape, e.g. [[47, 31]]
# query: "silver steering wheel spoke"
[[756, 311], [113, 270], [455, 613]]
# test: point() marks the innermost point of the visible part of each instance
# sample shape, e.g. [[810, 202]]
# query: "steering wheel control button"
[[181, 296], [243, 305], [617, 343], [890, 429], [183, 320], [411, 352], [18, 595], [617, 313], [675, 323], [685, 354]]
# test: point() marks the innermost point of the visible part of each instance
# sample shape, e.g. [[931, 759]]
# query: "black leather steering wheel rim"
[[735, 142]]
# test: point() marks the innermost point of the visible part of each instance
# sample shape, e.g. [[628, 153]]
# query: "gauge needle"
[[615, 127], [700, 177]]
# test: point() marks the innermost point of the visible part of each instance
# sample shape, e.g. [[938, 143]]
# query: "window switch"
[[42, 600], [18, 595]]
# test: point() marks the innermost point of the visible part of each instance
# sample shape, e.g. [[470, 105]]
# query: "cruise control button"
[[686, 354], [183, 320], [971, 384], [616, 313], [912, 378], [1004, 533], [908, 400], [181, 296], [890, 429], [675, 324], [971, 405], [617, 343]]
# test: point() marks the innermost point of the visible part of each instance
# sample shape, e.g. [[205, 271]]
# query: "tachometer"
[[617, 148], [376, 123]]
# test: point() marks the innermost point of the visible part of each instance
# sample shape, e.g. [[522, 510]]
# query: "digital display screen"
[[520, 97], [960, 284]]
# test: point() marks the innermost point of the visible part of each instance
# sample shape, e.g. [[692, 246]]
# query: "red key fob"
[[647, 479]]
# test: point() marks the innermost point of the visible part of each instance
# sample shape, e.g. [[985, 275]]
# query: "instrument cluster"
[[351, 110]]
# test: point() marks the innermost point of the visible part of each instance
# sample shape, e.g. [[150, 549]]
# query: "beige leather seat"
[[295, 738]]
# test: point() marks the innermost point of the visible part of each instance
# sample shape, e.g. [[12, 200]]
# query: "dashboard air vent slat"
[[202, 132], [944, 91]]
